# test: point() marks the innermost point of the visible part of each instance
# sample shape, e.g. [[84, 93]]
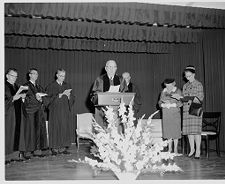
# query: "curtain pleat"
[[58, 43], [76, 29], [147, 71], [123, 12], [214, 59]]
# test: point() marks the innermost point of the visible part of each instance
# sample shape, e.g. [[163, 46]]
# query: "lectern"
[[110, 99], [114, 99]]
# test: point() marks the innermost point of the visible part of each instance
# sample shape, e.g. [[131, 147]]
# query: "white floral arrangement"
[[133, 150]]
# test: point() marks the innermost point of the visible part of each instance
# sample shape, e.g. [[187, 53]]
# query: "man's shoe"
[[7, 162], [54, 153], [65, 152], [40, 156]]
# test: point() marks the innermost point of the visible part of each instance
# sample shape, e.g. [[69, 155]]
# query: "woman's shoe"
[[192, 155]]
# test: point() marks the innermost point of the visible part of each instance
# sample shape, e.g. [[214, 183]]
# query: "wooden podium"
[[114, 99], [110, 99]]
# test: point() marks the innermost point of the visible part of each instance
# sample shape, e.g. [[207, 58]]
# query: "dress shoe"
[[7, 162], [40, 156], [54, 153], [197, 157], [23, 157]]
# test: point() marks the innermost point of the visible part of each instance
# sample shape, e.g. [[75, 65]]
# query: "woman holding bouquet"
[[171, 117]]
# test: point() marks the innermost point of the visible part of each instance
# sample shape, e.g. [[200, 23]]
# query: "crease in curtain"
[[18, 41], [48, 27], [142, 13]]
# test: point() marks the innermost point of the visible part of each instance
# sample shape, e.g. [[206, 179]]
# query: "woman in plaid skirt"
[[192, 125]]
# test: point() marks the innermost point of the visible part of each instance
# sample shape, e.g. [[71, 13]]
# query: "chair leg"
[[218, 146], [77, 143], [207, 146], [182, 142]]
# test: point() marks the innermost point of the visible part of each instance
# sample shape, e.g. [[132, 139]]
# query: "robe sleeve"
[[97, 87], [8, 98], [137, 98], [49, 100], [72, 98]]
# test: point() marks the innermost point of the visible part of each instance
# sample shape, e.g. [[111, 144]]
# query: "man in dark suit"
[[33, 131], [133, 88]]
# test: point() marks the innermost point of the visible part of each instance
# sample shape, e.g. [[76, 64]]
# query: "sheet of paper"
[[114, 89], [67, 90], [42, 94]]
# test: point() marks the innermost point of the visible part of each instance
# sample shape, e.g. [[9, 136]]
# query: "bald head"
[[111, 68], [126, 77]]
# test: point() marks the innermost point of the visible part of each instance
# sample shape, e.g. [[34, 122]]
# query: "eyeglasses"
[[34, 73], [13, 75], [188, 76]]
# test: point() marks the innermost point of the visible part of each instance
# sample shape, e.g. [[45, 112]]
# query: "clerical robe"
[[102, 84], [12, 118], [60, 116], [33, 129]]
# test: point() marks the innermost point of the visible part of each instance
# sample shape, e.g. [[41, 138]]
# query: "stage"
[[59, 168]]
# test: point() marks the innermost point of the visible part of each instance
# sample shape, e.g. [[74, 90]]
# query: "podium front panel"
[[114, 99]]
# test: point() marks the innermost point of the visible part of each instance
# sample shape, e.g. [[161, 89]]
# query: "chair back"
[[84, 125], [211, 121]]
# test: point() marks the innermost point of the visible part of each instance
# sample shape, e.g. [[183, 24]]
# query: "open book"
[[114, 89]]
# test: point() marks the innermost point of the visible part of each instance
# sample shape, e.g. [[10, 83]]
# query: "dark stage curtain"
[[81, 37], [214, 62], [34, 42], [122, 12], [147, 71], [82, 67], [91, 30]]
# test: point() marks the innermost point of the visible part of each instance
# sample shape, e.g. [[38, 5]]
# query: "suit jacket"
[[137, 99]]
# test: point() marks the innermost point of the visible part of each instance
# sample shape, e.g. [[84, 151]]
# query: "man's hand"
[[38, 97]]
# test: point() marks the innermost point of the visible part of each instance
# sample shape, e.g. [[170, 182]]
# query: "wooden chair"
[[211, 130], [84, 127]]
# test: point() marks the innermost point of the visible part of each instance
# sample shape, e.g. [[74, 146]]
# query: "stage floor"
[[58, 168]]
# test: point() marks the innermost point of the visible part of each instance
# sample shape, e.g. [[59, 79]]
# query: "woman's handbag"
[[196, 108]]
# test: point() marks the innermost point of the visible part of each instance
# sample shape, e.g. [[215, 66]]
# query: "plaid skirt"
[[191, 124]]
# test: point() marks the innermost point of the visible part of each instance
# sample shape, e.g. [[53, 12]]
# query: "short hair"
[[60, 70], [31, 69], [169, 81], [11, 69], [126, 73], [190, 68], [107, 62]]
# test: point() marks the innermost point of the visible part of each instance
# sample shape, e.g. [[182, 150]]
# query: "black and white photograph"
[[113, 91]]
